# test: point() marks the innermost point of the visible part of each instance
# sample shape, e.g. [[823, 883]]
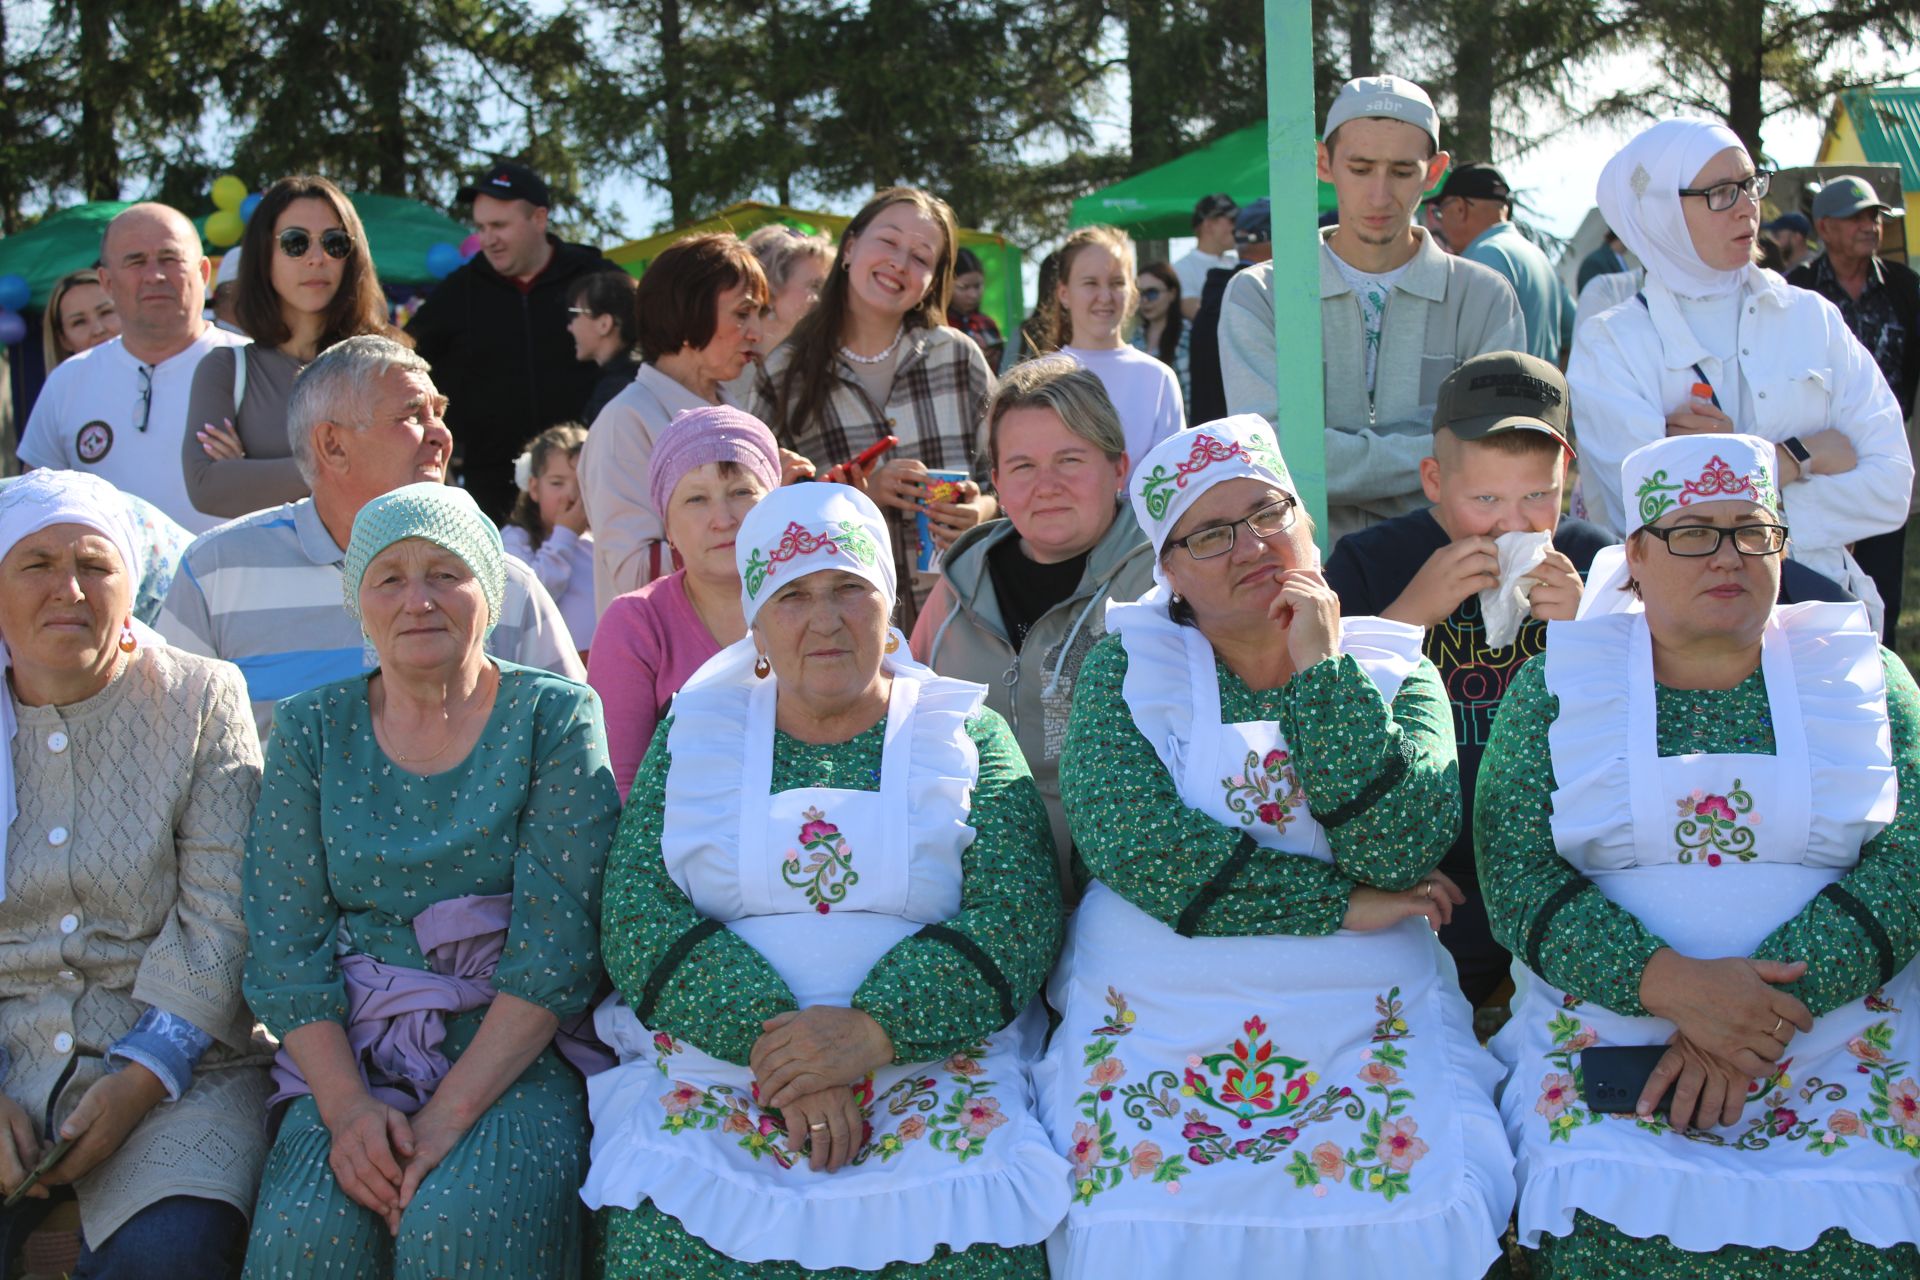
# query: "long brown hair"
[[358, 306], [1114, 241], [1176, 319], [804, 384], [53, 336]]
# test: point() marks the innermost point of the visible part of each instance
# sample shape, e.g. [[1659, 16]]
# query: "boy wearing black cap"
[[1501, 441]]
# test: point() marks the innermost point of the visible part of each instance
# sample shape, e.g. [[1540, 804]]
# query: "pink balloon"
[[470, 246]]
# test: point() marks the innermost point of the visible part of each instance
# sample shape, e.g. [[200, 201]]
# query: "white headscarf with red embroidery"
[[1175, 472], [1684, 471], [808, 528]]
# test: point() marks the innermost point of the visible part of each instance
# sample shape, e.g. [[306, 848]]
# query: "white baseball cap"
[[1385, 97]]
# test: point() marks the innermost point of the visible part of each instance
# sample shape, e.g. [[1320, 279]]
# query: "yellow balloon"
[[228, 192], [225, 227]]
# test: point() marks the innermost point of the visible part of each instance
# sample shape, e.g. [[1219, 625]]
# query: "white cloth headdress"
[[1682, 471], [1639, 196], [808, 528], [1175, 472]]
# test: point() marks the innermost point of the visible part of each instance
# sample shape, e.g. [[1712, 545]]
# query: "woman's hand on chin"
[[1309, 612], [811, 1049]]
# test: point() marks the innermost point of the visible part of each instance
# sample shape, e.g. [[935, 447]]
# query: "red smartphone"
[[873, 451]]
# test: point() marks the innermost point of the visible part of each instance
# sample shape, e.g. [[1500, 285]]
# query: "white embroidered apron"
[[1283, 1106], [1713, 852], [824, 881]]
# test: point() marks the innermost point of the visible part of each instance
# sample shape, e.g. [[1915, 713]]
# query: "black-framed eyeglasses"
[[1722, 196], [1217, 539], [144, 406], [1705, 539], [334, 242]]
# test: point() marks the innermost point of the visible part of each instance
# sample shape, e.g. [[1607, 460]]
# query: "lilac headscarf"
[[718, 433]]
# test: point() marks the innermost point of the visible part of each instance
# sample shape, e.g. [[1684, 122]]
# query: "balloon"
[[12, 328], [225, 227], [14, 292], [470, 246], [248, 205], [228, 193], [443, 260]]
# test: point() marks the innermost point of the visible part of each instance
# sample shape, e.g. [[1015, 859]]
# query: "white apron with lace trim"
[[823, 881], [1713, 852], [1282, 1106]]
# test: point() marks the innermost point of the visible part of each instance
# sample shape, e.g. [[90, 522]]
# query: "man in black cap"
[[1791, 231], [495, 332], [1880, 301], [1253, 237], [1471, 210], [1212, 248]]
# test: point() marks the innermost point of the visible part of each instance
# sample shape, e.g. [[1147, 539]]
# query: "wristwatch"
[[1799, 453]]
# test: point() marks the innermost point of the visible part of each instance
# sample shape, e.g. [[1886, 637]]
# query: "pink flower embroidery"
[[982, 1116], [1379, 1073], [961, 1065], [1583, 1039], [1085, 1148], [1903, 1099], [682, 1098], [793, 857], [1715, 807], [910, 1128], [1860, 1049], [1399, 1145], [1784, 1118], [817, 827], [1844, 1123], [737, 1122], [1328, 1162], [1106, 1072], [664, 1043], [1274, 760], [1557, 1093], [1271, 813], [1146, 1158]]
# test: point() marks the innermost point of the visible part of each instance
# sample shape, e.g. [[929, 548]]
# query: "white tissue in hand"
[[1505, 607]]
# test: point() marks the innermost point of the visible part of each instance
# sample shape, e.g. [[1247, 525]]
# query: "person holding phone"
[[1697, 831], [876, 358], [129, 777], [1263, 1051]]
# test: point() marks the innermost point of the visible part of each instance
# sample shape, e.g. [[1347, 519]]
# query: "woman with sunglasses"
[[1713, 344], [1697, 833], [1164, 332], [1264, 1061], [306, 282]]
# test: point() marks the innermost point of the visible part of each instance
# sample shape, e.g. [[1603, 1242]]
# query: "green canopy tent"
[[399, 232], [1158, 204], [999, 258]]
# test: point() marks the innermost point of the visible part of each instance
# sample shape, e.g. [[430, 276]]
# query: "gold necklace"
[[433, 755]]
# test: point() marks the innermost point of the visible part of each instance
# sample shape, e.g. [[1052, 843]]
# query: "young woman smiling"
[[1095, 299]]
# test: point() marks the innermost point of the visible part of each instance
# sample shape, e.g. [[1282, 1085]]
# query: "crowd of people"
[[755, 772]]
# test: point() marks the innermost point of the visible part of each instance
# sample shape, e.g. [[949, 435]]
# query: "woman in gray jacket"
[[1023, 598]]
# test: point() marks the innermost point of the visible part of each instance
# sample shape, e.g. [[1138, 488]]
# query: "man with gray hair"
[[264, 592], [120, 409]]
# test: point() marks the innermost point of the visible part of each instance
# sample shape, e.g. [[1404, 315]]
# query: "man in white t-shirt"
[[1213, 247], [119, 409]]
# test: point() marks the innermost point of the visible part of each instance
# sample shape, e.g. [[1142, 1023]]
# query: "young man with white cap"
[[1397, 313]]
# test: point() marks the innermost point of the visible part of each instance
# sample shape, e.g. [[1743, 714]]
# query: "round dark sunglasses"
[[334, 242]]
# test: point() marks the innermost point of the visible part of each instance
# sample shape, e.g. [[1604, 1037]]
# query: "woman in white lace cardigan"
[[128, 787]]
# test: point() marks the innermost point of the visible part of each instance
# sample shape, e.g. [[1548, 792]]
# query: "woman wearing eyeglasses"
[[1164, 332], [306, 282], [1713, 343], [1264, 1062], [1697, 833]]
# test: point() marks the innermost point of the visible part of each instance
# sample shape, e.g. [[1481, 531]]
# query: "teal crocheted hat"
[[443, 515]]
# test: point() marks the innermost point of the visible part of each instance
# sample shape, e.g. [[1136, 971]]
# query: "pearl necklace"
[[857, 358]]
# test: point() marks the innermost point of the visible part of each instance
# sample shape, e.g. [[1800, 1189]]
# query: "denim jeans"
[[178, 1238]]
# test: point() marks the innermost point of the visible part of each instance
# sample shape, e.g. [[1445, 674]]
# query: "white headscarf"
[[28, 505], [807, 528], [1682, 470], [1639, 196], [1175, 472]]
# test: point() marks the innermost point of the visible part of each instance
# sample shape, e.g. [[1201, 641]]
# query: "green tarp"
[[1158, 204], [399, 231]]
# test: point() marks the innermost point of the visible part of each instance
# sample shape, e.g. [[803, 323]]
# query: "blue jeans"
[[178, 1238]]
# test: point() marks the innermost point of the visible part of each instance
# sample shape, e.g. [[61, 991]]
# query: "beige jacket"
[[613, 483], [123, 891]]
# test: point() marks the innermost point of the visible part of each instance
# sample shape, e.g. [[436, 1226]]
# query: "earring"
[[893, 642], [761, 667], [127, 643]]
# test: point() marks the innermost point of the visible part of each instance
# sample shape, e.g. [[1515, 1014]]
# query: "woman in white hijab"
[[1713, 344]]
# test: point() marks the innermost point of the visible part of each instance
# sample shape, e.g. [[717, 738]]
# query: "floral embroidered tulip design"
[[822, 867], [1715, 827]]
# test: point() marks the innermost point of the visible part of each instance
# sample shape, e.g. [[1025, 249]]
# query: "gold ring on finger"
[[1778, 1022]]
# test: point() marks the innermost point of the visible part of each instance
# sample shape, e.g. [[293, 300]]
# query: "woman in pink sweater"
[[709, 467]]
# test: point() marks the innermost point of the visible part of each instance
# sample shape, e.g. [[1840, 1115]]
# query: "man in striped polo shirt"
[[264, 592]]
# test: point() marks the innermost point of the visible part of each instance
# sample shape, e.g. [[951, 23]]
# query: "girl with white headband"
[[1263, 1056], [1696, 828], [1714, 344], [830, 902]]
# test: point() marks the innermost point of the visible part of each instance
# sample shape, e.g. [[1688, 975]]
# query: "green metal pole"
[[1301, 403]]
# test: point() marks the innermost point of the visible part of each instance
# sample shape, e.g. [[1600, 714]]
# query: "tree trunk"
[[1149, 129], [777, 116], [1359, 38], [386, 90], [99, 150], [1746, 75], [1472, 138], [673, 91]]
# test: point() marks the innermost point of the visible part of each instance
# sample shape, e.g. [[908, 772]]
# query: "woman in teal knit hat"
[[423, 887]]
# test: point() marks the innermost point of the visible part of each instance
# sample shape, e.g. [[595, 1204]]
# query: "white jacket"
[[1805, 372]]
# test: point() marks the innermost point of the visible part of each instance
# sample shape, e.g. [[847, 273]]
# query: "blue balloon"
[[248, 205], [443, 260], [13, 327], [14, 292]]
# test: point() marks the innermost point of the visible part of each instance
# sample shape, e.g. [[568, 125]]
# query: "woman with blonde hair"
[[79, 316]]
